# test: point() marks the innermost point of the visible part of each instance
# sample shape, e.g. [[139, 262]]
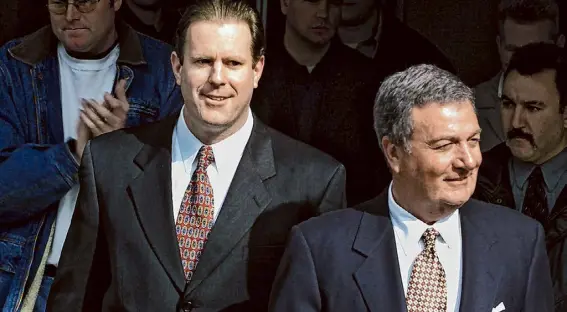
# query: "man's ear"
[[498, 42], [393, 154], [560, 42], [116, 5], [176, 67], [258, 69], [284, 4]]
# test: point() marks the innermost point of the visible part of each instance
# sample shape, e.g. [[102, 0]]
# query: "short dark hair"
[[529, 11], [537, 57], [222, 10]]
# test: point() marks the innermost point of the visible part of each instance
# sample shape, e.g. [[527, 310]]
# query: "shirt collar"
[[412, 228], [552, 170], [225, 151]]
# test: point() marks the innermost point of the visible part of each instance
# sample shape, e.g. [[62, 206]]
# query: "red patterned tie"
[[195, 218]]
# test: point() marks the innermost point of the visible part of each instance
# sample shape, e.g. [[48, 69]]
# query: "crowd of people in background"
[[161, 155]]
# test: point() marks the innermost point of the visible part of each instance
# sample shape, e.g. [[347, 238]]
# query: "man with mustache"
[[319, 91], [528, 172], [520, 22], [422, 245], [82, 76]]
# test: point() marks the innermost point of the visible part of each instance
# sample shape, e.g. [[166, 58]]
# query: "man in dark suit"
[[422, 245], [192, 213]]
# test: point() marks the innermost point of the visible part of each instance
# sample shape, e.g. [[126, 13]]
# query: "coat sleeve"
[[539, 291], [32, 176], [83, 273], [295, 287]]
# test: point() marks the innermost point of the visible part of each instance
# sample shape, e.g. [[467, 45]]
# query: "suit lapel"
[[246, 199], [151, 193], [378, 278], [480, 275]]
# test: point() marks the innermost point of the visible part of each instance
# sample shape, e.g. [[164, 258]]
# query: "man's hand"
[[108, 116], [83, 137]]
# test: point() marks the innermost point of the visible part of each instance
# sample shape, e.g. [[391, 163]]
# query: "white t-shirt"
[[80, 79]]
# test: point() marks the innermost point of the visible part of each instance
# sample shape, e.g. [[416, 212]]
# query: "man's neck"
[[355, 34], [150, 17], [99, 53], [303, 52], [427, 212]]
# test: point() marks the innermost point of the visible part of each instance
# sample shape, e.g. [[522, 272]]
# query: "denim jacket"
[[36, 166]]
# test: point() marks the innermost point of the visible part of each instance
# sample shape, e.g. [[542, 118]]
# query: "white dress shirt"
[[408, 231], [80, 79], [227, 152]]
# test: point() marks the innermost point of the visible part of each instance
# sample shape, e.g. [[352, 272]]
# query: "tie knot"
[[205, 157], [536, 174], [429, 237]]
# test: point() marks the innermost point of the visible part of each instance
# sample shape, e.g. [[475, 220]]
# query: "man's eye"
[[506, 103], [442, 147], [533, 109]]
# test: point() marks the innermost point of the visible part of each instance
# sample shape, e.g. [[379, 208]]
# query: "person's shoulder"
[[123, 140], [10, 49], [351, 58], [504, 221], [338, 223], [296, 153], [155, 51]]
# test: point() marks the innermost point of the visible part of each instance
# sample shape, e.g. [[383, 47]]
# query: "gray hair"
[[416, 86]]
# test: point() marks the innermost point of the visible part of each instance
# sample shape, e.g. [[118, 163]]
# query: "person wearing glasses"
[[83, 76]]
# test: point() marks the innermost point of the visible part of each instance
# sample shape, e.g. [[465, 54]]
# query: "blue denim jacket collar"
[[30, 50]]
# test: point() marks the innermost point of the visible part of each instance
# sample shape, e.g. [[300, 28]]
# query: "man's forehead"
[[447, 118], [224, 35], [520, 34], [517, 83]]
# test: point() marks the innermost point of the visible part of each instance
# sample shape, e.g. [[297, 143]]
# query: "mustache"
[[519, 133]]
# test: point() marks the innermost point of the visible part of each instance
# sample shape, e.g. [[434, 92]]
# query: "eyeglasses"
[[83, 6]]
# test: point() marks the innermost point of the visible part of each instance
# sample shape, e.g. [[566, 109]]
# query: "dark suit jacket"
[[121, 252], [347, 261]]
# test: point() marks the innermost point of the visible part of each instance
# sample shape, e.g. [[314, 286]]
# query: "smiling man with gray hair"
[[423, 244]]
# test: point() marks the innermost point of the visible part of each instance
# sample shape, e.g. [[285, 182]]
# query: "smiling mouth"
[[215, 98], [460, 179]]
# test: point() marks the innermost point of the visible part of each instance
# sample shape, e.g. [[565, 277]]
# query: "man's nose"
[[217, 75], [72, 13]]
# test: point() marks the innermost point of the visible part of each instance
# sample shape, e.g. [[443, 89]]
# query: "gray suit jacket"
[[347, 261], [121, 252]]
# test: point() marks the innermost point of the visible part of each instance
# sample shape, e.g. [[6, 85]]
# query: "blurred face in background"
[[85, 27], [356, 12], [514, 35], [313, 21]]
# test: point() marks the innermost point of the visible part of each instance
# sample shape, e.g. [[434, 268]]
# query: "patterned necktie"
[[427, 288], [195, 218], [535, 200]]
